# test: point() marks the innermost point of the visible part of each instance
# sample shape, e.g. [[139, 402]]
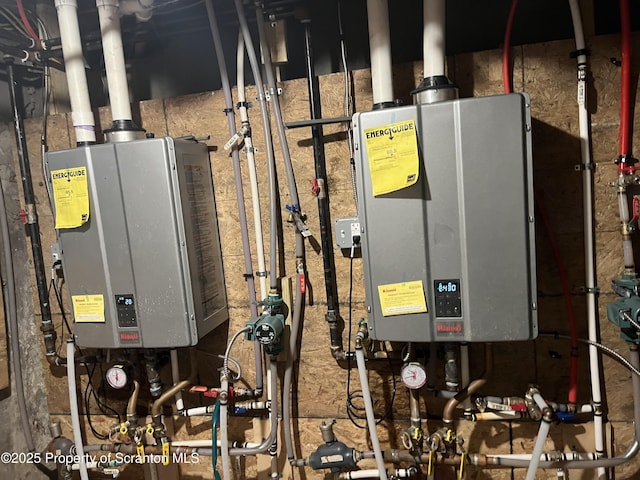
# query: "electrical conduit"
[[81, 114]]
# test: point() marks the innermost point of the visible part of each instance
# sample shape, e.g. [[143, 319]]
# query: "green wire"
[[214, 439]]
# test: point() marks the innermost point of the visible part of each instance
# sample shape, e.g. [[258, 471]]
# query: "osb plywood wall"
[[548, 75]]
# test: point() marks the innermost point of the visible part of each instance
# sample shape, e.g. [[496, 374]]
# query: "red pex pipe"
[[506, 66], [625, 85]]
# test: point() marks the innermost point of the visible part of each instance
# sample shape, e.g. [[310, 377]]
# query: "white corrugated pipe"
[[434, 40], [380, 47], [114, 59], [140, 8], [81, 114]]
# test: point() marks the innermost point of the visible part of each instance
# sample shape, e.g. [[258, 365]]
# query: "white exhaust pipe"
[[433, 45], [81, 114], [435, 86], [380, 47], [114, 59]]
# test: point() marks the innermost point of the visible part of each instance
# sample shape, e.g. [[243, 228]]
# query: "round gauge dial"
[[117, 376], [413, 375]]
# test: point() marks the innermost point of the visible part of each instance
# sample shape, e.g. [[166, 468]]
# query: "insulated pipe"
[[9, 296], [242, 214], [251, 164], [434, 38], [380, 47], [73, 406], [114, 60], [32, 226], [271, 166], [368, 406], [465, 373], [589, 229], [81, 114]]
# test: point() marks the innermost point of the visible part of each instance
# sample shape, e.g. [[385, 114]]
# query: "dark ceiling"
[[172, 54]]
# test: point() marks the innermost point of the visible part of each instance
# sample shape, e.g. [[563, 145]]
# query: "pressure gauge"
[[117, 376], [413, 375]]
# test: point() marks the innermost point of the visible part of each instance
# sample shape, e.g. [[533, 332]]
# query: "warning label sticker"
[[70, 197], [402, 298], [392, 151], [88, 308]]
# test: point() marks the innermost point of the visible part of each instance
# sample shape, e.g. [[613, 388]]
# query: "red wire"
[[506, 67], [625, 87], [27, 25], [564, 279]]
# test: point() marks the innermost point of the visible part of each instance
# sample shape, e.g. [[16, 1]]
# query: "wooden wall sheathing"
[[547, 74]]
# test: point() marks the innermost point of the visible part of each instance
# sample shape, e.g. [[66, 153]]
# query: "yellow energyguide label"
[[88, 308], [392, 151], [70, 197], [402, 298]]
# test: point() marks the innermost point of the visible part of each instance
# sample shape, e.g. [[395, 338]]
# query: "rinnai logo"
[[450, 329], [130, 337]]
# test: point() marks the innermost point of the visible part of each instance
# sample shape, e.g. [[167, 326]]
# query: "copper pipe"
[[473, 387], [156, 409]]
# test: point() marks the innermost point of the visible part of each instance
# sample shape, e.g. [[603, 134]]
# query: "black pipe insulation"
[[32, 227]]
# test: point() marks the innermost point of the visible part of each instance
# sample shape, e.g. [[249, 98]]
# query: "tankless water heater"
[[447, 220], [139, 237]]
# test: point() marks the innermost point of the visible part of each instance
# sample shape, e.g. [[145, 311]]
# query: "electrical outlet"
[[348, 232]]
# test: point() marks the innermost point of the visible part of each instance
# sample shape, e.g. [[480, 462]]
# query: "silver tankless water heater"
[[139, 237], [447, 220]]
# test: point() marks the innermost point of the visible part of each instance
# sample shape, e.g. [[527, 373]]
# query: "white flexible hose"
[[434, 37], [81, 114], [368, 407], [380, 46], [114, 59], [73, 407]]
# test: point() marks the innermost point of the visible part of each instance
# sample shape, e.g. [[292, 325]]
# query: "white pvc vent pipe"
[[114, 59], [380, 47], [433, 38], [81, 114]]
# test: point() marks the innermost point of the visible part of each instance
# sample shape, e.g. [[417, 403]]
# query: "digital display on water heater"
[[448, 300], [447, 286]]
